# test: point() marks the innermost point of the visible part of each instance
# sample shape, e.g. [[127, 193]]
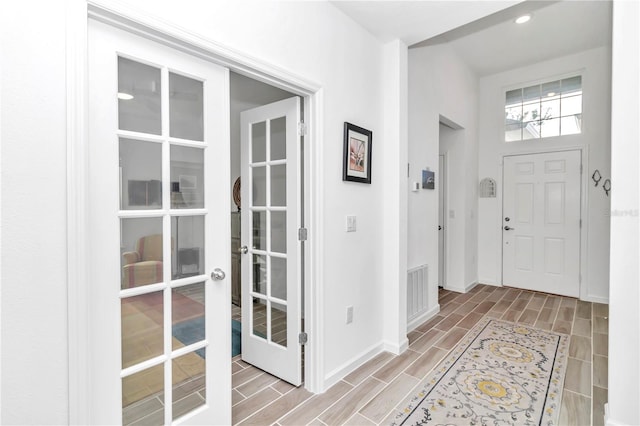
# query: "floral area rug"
[[500, 373]]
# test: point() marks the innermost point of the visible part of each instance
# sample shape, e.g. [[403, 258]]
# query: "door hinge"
[[580, 168], [302, 234], [302, 128], [303, 338], [580, 223]]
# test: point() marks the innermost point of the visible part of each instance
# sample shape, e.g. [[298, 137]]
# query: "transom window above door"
[[544, 110]]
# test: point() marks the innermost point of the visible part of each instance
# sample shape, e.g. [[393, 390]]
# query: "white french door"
[[541, 222], [271, 281], [158, 161]]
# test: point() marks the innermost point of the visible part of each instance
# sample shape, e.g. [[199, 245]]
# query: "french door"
[[271, 281], [159, 220], [541, 223]]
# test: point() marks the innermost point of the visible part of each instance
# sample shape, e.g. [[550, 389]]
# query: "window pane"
[[259, 313], [531, 93], [259, 142], [278, 139], [138, 97], [279, 278], [279, 324], [189, 382], [551, 89], [531, 111], [260, 230], [550, 109], [279, 232], [571, 105], [140, 175], [187, 177], [142, 395], [571, 85], [571, 125], [531, 130], [279, 185], [513, 114], [514, 97], [550, 128], [187, 315], [186, 108], [142, 251], [259, 188], [513, 132], [187, 246], [142, 328]]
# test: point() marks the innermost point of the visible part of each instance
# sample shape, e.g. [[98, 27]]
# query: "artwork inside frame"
[[357, 154], [428, 179]]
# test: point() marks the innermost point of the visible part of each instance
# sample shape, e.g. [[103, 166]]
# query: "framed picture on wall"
[[357, 154]]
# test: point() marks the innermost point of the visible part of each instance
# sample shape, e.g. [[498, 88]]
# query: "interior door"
[[441, 216], [158, 162], [271, 296], [541, 223]]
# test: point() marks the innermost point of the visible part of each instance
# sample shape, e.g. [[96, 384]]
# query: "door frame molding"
[[122, 16], [584, 195], [445, 217]]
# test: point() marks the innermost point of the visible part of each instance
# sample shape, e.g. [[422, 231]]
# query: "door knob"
[[508, 228], [218, 274], [243, 250]]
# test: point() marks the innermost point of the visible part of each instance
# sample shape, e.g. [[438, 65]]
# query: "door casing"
[[124, 17]]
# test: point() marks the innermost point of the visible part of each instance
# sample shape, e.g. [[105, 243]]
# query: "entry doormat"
[[500, 373]]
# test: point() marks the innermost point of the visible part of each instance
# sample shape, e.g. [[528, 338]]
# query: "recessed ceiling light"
[[124, 96], [524, 18]]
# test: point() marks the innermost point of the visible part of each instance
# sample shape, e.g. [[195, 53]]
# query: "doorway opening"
[[449, 147], [267, 172]]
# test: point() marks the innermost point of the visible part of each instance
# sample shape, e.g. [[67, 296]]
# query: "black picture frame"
[[357, 154]]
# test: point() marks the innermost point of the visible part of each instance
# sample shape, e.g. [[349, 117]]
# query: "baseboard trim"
[[596, 299], [468, 287], [339, 373], [396, 348], [607, 420], [492, 282], [422, 318]]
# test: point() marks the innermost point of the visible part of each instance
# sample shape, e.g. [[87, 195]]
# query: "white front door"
[[271, 278], [541, 222], [160, 320]]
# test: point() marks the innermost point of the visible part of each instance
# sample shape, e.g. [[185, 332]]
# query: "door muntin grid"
[[163, 217], [268, 169]]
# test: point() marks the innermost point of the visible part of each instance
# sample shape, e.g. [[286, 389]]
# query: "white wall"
[[443, 85], [34, 273], [624, 307], [594, 65]]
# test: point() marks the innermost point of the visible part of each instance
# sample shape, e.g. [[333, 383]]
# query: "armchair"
[[144, 265]]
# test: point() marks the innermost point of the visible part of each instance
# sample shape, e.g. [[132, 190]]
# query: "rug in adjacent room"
[[236, 337], [192, 331], [499, 373]]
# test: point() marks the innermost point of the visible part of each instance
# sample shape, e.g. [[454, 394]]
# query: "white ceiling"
[[483, 32]]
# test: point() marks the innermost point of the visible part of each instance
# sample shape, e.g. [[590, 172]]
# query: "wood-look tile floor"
[[371, 394]]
